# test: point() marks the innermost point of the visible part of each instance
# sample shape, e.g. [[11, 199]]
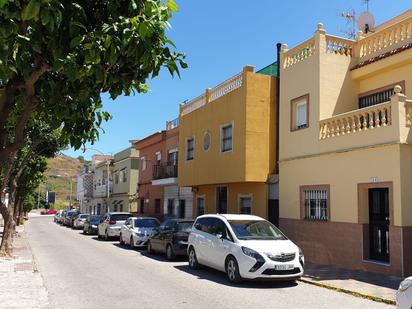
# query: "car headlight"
[[252, 253], [94, 226], [405, 284]]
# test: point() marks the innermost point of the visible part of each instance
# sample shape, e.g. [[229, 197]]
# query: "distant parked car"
[[79, 220], [170, 238], [404, 294], [90, 225], [57, 216], [60, 219], [69, 219], [111, 223], [244, 246], [50, 211], [137, 230]]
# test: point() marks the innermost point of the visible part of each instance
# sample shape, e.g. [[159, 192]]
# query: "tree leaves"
[[31, 11]]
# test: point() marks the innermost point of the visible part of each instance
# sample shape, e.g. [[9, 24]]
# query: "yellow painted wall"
[[252, 159], [258, 191], [343, 172]]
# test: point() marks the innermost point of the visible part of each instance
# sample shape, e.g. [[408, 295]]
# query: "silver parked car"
[[111, 223], [78, 222], [137, 230]]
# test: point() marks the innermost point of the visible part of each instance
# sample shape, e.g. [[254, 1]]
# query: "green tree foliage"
[[58, 56]]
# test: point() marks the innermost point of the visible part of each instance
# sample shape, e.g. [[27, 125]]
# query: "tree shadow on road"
[[206, 273]]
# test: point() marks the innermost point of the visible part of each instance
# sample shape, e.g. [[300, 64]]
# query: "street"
[[80, 271]]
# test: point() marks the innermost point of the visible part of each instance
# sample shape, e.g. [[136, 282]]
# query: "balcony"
[[165, 174], [383, 123]]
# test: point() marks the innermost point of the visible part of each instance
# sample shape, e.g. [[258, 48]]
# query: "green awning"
[[270, 69]]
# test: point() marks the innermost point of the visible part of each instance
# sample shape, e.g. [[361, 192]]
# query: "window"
[[142, 205], [170, 206], [378, 96], [115, 208], [226, 136], [300, 113], [158, 158], [124, 178], [245, 205], [172, 157], [213, 226], [121, 176], [143, 163], [116, 178], [157, 205], [200, 206], [315, 202], [190, 148]]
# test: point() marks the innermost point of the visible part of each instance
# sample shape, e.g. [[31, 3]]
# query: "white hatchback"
[[245, 247]]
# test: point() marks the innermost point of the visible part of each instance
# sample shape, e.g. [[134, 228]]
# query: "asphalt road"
[[82, 272]]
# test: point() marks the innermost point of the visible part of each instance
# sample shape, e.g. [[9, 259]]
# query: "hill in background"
[[61, 175]]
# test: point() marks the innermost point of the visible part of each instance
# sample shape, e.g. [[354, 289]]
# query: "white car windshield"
[[255, 230]]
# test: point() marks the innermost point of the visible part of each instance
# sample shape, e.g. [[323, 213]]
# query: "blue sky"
[[219, 37]]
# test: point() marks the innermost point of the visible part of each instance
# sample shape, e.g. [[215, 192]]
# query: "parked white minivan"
[[245, 247]]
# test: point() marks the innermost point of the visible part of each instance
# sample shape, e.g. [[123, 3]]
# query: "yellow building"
[[227, 148], [345, 148]]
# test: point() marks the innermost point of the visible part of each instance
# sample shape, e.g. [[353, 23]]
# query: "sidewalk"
[[356, 282], [21, 285]]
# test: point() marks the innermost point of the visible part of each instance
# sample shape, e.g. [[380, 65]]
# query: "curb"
[[353, 293]]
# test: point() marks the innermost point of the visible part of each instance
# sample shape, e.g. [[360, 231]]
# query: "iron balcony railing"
[[165, 170]]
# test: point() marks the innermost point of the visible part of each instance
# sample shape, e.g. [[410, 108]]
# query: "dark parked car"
[[70, 216], [90, 225], [170, 238]]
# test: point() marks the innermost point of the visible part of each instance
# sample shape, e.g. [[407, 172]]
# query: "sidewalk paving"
[[359, 283], [21, 285]]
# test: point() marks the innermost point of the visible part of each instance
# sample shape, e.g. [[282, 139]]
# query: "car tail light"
[[111, 222]]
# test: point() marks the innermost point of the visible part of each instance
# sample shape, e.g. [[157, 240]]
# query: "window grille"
[[316, 205], [190, 148]]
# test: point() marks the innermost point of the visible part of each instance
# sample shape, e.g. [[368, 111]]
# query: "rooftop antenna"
[[365, 21], [350, 17]]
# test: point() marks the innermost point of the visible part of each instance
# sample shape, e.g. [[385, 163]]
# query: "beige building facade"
[[345, 148]]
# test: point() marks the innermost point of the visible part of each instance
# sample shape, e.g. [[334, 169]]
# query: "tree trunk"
[[6, 247], [20, 212]]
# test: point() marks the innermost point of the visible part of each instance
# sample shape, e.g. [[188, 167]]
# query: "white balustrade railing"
[[299, 53], [356, 121], [210, 95], [194, 104], [226, 87], [408, 112], [338, 45], [386, 37]]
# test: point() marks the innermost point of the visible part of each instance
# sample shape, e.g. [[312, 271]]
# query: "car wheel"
[[149, 248], [84, 232], [232, 270], [131, 242], [170, 253], [193, 264], [106, 236]]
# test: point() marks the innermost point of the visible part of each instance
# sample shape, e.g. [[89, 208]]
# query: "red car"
[[48, 212]]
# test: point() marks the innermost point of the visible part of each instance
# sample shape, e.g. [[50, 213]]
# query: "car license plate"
[[284, 267]]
